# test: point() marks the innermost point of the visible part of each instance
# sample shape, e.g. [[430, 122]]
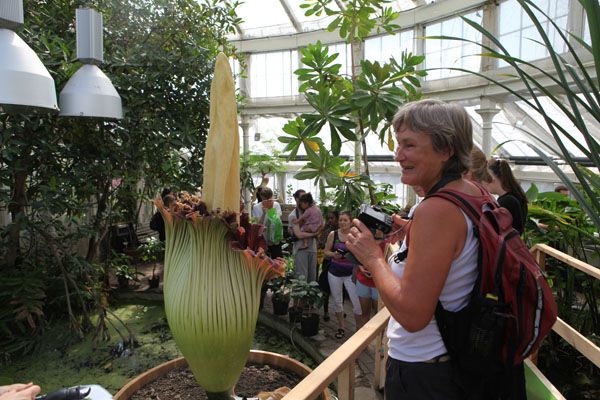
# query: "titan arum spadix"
[[215, 265]]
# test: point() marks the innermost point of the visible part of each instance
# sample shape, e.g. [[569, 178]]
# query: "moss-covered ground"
[[63, 360]]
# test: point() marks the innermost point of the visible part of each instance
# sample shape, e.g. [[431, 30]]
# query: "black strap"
[[443, 182]]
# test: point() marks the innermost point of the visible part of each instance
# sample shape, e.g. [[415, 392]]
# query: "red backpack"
[[511, 308]]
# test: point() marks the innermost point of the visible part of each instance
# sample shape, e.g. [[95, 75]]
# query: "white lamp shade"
[[25, 83], [89, 93]]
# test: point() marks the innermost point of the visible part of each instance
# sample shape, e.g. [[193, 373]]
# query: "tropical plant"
[[124, 270], [215, 263], [562, 223], [309, 294], [575, 91], [263, 164], [153, 251], [64, 179], [352, 107]]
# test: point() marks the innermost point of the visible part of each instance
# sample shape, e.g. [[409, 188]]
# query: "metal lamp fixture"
[[89, 92], [25, 84]]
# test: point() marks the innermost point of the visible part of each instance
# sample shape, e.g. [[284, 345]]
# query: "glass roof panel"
[[256, 24], [556, 114]]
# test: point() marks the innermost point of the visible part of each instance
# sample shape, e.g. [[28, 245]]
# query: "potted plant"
[[153, 251], [215, 261], [311, 297], [124, 271], [280, 290]]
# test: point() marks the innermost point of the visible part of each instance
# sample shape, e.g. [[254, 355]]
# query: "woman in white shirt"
[[434, 141]]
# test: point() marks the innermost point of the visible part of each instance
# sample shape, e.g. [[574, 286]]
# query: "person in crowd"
[[311, 220], [257, 195], [479, 168], [19, 391], [367, 295], [259, 212], [340, 272], [305, 259], [330, 225], [562, 189], [434, 142], [157, 223], [511, 194]]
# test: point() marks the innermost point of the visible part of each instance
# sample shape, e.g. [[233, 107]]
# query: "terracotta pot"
[[261, 357]]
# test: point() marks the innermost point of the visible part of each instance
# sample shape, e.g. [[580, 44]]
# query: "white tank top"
[[427, 343]]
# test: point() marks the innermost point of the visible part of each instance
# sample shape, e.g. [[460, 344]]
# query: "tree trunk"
[[16, 206]]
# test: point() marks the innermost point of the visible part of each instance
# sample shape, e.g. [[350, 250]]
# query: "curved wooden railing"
[[340, 364], [564, 330]]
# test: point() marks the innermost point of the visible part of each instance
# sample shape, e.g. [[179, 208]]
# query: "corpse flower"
[[215, 265]]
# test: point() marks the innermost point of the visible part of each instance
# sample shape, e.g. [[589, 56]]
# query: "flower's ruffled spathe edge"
[[245, 237]]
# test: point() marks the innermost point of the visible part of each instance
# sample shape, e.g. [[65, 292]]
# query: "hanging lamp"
[[89, 92], [25, 83]]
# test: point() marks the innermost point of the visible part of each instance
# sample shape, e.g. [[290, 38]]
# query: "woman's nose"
[[399, 156]]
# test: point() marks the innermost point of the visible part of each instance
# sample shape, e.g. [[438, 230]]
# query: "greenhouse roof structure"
[[272, 32]]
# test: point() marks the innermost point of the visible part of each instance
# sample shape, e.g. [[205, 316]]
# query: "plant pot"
[[262, 357], [309, 324], [153, 282], [280, 306], [294, 314], [134, 253]]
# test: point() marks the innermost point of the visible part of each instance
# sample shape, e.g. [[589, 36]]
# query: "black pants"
[[406, 380], [421, 381]]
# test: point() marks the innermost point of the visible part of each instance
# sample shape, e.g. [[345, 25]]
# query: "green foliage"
[[22, 314], [121, 264], [263, 164], [573, 90], [281, 287], [308, 293], [357, 19], [66, 181], [563, 224], [351, 107]]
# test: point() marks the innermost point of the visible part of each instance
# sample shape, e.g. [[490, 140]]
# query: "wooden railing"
[[564, 330], [341, 363]]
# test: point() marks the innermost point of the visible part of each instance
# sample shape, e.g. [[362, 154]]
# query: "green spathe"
[[211, 300]]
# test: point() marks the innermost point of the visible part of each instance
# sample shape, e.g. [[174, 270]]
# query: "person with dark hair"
[[511, 194], [437, 263], [157, 223], [305, 259], [331, 224], [165, 192], [562, 189], [340, 272], [259, 212], [311, 220]]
